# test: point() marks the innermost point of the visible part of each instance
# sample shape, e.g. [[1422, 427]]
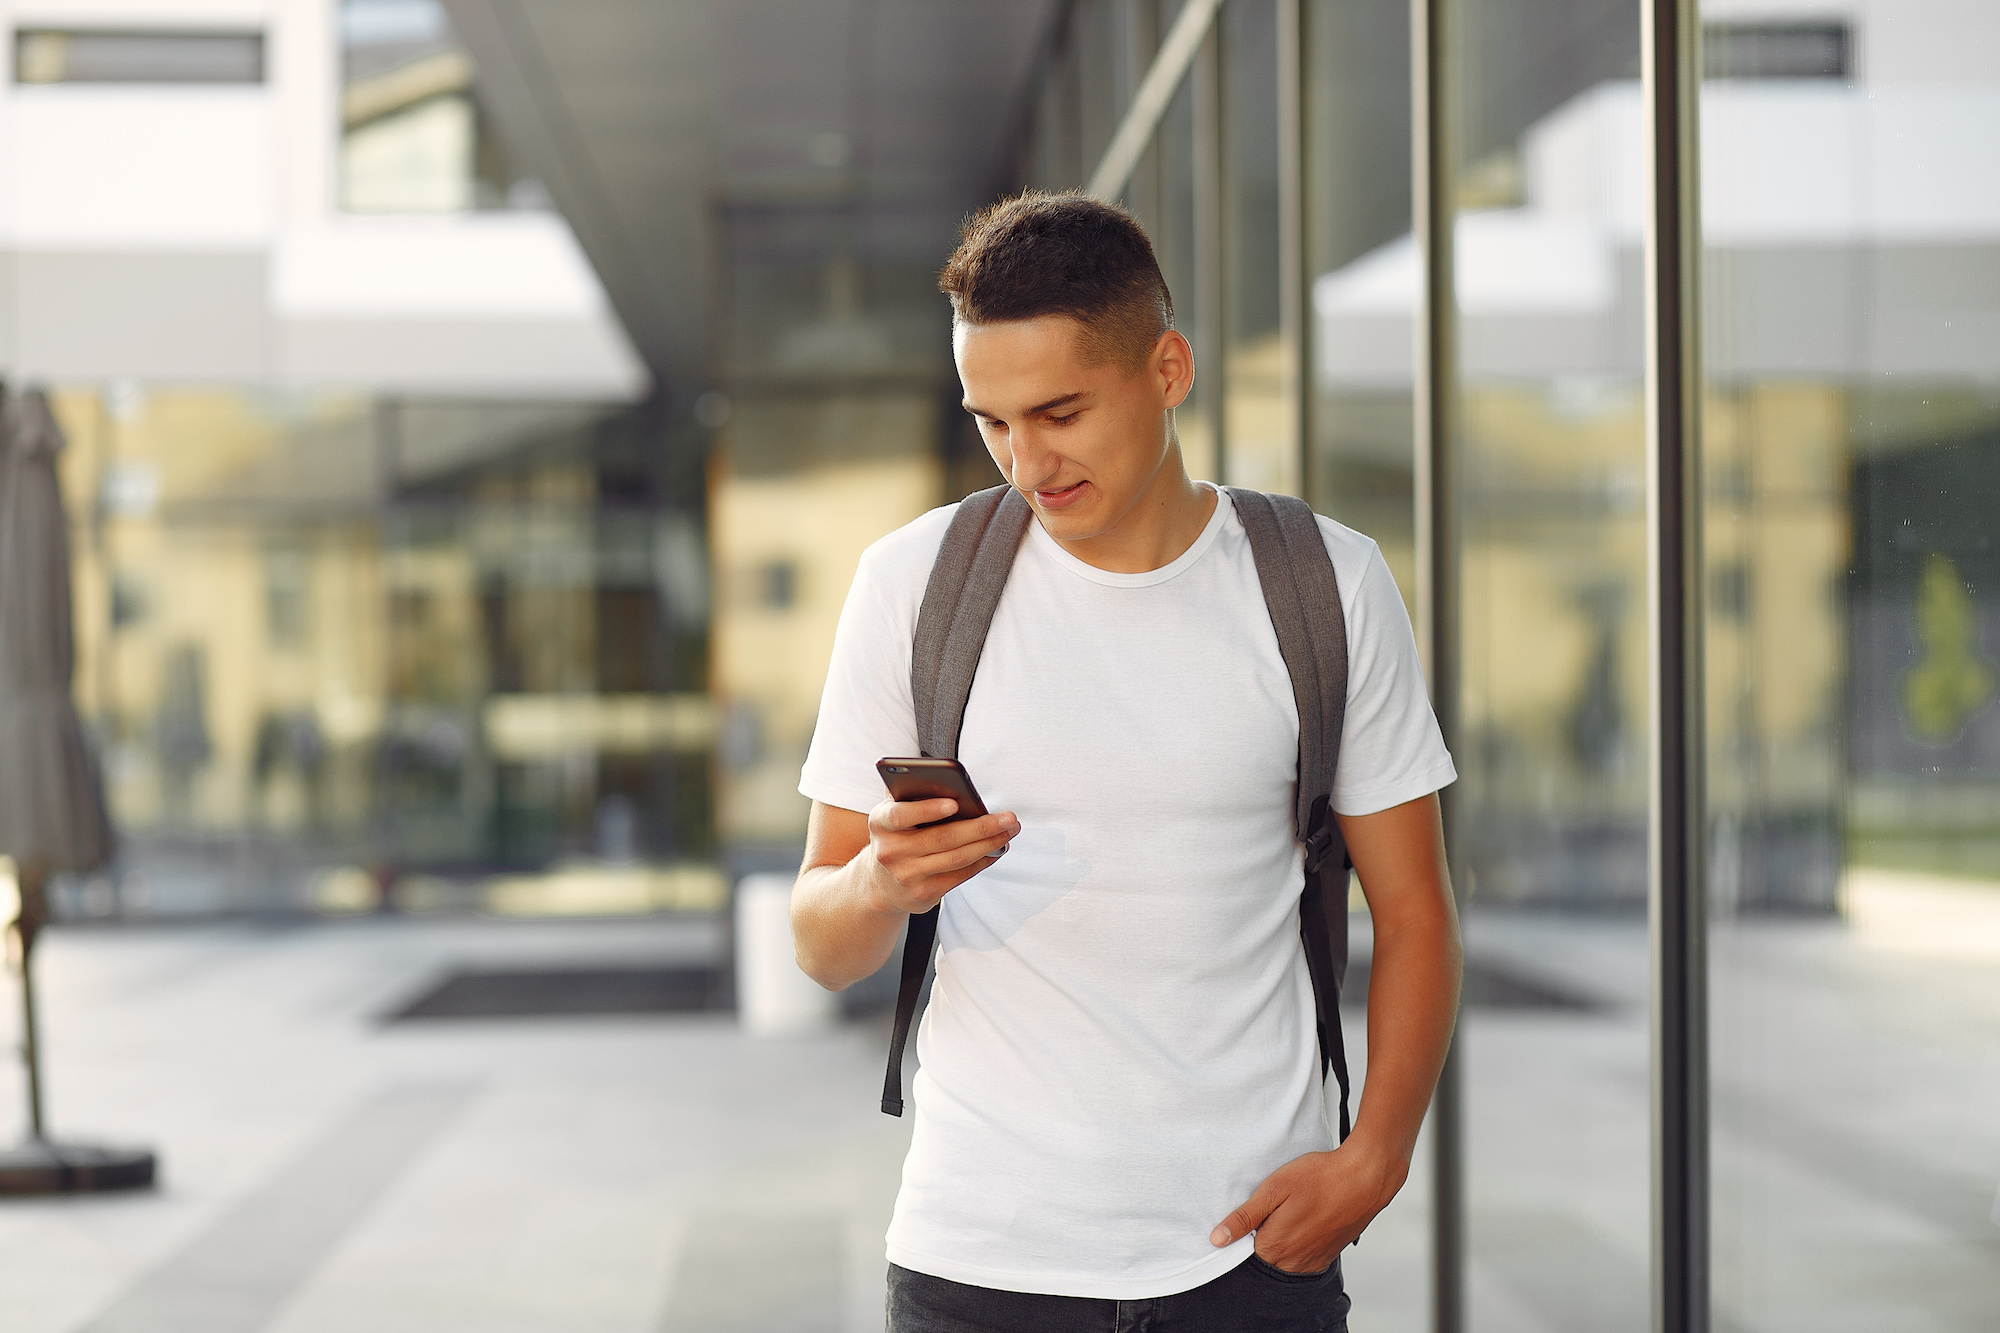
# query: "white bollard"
[[773, 997]]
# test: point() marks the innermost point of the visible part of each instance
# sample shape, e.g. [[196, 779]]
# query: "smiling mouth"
[[1057, 492]]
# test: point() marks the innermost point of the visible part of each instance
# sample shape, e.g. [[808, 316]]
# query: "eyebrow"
[[1063, 401]]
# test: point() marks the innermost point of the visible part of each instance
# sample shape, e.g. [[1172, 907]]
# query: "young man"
[[1119, 1112]]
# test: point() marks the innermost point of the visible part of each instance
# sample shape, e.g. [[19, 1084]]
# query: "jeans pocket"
[[1270, 1269]]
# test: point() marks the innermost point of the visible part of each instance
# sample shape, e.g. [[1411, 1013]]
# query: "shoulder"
[[909, 552], [1359, 570], [1368, 591], [1353, 554], [1369, 597]]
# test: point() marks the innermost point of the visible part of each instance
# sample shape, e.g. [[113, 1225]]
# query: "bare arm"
[[1310, 1209], [864, 875]]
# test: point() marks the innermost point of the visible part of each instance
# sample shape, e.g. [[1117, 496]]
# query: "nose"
[[1032, 461]]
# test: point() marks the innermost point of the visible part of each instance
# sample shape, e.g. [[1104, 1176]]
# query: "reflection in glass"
[[1259, 451], [1853, 419], [1174, 234], [839, 392], [1551, 803], [437, 639]]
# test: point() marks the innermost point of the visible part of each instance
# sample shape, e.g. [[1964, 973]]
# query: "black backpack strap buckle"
[[1319, 836]]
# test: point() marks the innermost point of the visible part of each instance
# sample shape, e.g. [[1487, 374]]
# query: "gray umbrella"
[[51, 802]]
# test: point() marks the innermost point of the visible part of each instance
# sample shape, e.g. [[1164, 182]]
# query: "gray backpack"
[[1304, 603]]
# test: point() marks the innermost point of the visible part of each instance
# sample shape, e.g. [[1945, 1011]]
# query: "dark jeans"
[[1252, 1297]]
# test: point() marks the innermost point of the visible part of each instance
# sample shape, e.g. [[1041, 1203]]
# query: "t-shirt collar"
[[1224, 512]]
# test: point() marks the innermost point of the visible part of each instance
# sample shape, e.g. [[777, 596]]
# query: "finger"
[[954, 861], [902, 816], [1245, 1219], [944, 839], [984, 850]]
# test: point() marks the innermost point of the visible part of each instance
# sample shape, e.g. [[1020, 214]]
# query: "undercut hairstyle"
[[1062, 254]]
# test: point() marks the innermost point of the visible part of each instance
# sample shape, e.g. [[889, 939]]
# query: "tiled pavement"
[[324, 1171]]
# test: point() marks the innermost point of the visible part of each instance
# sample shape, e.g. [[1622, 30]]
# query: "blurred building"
[[381, 560], [1850, 342], [476, 416], [478, 408], [1841, 335]]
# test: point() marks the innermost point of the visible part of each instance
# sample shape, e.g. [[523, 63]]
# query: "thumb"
[[1247, 1218]]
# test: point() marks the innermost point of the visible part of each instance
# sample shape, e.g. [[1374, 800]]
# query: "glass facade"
[[349, 650], [1551, 803], [327, 635], [1853, 407], [1848, 424], [836, 420]]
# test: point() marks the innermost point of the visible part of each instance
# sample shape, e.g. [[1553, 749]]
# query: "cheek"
[[1121, 448]]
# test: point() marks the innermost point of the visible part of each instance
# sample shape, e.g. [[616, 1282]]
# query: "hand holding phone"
[[929, 848], [924, 779]]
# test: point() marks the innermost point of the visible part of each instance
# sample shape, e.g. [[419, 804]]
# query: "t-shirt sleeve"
[[1391, 750], [865, 711]]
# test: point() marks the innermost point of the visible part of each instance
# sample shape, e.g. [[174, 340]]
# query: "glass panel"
[[331, 640], [1852, 325], [1552, 797], [1173, 232], [1357, 186], [1100, 66], [1260, 451], [839, 388], [1358, 206]]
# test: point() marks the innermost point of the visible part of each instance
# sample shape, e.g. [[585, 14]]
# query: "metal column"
[[1294, 273], [1211, 248], [1433, 180], [1670, 53], [1142, 46]]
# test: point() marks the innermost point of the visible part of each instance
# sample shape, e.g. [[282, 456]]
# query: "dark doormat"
[[1490, 985], [544, 992]]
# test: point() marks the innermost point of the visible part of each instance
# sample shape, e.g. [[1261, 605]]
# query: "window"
[[413, 136], [47, 55], [1777, 51], [1850, 439]]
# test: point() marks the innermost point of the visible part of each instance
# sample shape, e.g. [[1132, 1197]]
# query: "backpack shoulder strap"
[[964, 590], [1303, 599]]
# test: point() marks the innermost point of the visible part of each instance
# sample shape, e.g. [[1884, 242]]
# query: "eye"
[[1064, 420]]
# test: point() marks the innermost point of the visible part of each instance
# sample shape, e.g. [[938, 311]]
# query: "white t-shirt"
[[1120, 1041]]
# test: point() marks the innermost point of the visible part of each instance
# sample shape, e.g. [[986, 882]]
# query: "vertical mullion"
[[1435, 402], [1294, 305], [1142, 44], [1677, 888], [1211, 254]]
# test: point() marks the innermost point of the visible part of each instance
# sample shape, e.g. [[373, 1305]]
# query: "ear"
[[1171, 366]]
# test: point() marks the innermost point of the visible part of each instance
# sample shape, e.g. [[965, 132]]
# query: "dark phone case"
[[929, 780]]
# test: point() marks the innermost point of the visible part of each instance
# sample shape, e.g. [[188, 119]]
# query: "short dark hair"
[[1062, 254]]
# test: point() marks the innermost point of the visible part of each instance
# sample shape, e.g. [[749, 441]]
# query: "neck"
[[1157, 530]]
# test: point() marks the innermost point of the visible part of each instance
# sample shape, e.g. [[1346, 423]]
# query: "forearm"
[[842, 929], [1314, 1206], [1412, 1007]]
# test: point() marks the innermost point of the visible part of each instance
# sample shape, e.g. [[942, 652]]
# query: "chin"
[[1075, 524]]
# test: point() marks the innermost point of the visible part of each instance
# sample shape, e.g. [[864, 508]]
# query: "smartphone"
[[928, 780]]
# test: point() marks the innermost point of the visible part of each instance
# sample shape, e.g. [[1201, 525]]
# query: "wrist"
[[1379, 1160], [878, 889]]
